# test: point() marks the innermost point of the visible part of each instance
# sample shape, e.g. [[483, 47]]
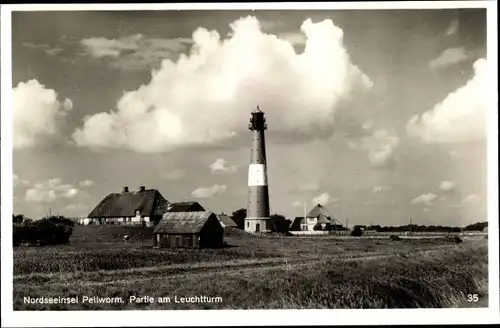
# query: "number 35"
[[472, 298]]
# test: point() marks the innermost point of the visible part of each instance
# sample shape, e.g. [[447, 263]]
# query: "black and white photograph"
[[247, 157]]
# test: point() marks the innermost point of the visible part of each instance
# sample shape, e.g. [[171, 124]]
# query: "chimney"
[[125, 189], [142, 188]]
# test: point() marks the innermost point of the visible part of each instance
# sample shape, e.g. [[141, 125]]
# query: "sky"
[[380, 116]]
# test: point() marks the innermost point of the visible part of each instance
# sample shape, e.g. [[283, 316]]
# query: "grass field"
[[252, 272]]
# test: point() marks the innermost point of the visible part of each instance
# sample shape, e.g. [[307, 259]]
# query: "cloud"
[[50, 191], [380, 146], [47, 49], [86, 183], [297, 203], [425, 199], [206, 97], [206, 192], [37, 113], [460, 117], [294, 38], [452, 27], [18, 181], [220, 166], [449, 57], [447, 186], [175, 174], [134, 51], [324, 199], [380, 189], [471, 199]]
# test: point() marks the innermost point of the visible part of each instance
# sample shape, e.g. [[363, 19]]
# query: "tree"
[[279, 223], [18, 219], [47, 231], [239, 216]]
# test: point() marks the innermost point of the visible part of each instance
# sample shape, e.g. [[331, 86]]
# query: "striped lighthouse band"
[[257, 175]]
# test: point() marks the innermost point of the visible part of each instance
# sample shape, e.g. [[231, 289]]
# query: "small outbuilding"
[[226, 221], [189, 230]]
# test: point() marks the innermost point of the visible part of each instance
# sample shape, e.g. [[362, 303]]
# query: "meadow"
[[253, 272]]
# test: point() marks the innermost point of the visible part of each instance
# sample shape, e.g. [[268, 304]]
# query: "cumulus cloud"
[[46, 48], [134, 51], [18, 181], [425, 199], [460, 117], [50, 191], [37, 113], [471, 199], [86, 183], [447, 186], [380, 189], [206, 96], [221, 166], [206, 192], [450, 57], [323, 199], [294, 38], [452, 27], [380, 146]]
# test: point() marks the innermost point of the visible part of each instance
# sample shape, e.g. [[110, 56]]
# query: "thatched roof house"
[[145, 206], [226, 221], [185, 207], [189, 230]]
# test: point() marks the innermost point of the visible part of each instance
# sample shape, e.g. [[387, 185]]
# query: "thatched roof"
[[150, 202], [183, 222], [185, 207], [226, 221], [320, 212]]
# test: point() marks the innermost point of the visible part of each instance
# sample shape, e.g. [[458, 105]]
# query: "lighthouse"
[[257, 219]]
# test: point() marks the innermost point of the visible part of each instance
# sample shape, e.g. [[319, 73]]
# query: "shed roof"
[[226, 220], [184, 206], [150, 202], [183, 222]]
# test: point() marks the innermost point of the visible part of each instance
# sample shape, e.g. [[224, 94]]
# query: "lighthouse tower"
[[257, 219]]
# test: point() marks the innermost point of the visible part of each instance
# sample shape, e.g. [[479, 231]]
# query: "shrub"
[[394, 237], [47, 231]]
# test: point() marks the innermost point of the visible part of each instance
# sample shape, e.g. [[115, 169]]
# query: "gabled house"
[[317, 219], [189, 230], [143, 207]]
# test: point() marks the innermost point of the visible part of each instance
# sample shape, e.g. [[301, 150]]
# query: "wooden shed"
[[189, 230]]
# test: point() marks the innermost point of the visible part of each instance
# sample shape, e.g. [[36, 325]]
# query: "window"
[[248, 224]]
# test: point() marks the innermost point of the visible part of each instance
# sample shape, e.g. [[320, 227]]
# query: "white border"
[[248, 317]]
